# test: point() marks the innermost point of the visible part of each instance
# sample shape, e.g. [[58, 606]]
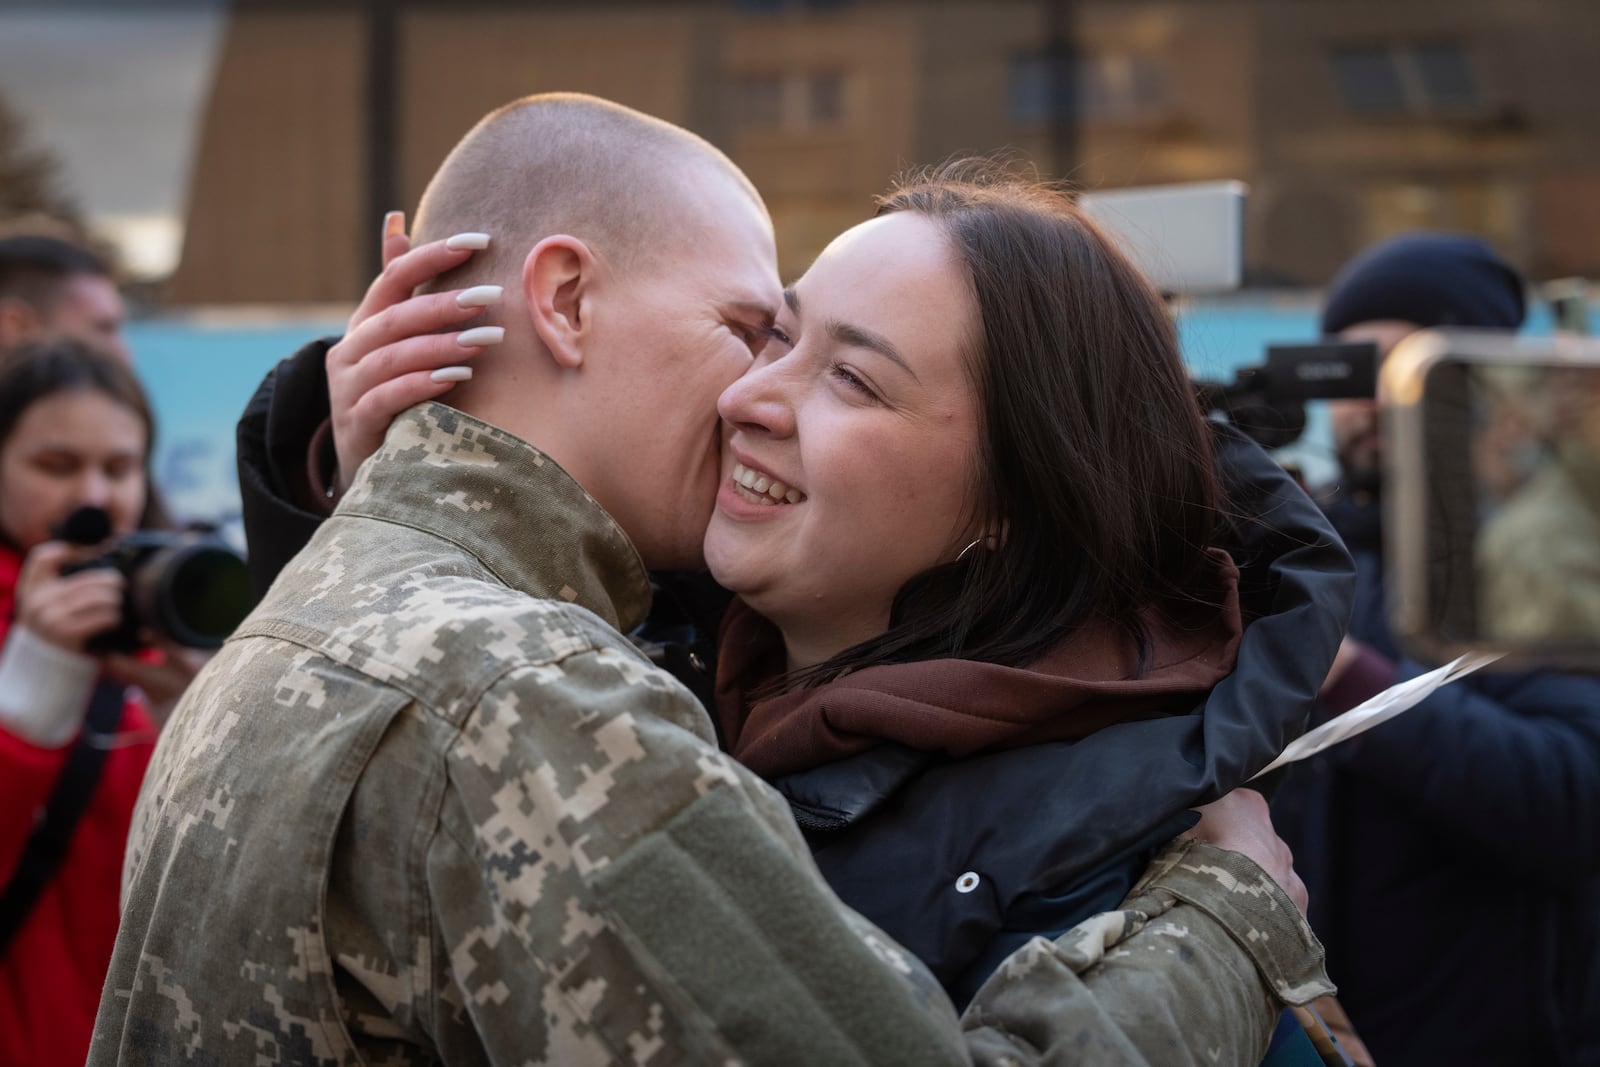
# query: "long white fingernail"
[[481, 335], [475, 241], [479, 296], [451, 374]]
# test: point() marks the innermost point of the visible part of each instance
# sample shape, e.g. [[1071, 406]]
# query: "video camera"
[[1268, 402], [188, 586]]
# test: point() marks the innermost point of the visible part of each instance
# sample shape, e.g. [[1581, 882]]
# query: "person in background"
[[1452, 855], [52, 288], [75, 737]]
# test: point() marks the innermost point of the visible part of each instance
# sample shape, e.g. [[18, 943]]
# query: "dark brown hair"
[[31, 372], [33, 268], [1096, 468]]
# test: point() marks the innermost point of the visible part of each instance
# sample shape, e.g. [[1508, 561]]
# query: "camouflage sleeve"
[[609, 887], [1194, 968]]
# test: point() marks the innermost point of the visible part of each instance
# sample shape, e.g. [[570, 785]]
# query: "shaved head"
[[639, 277], [617, 179]]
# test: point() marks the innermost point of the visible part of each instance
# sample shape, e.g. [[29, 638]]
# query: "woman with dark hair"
[[986, 638], [75, 431], [971, 508]]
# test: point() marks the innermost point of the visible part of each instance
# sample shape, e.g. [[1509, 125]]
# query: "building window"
[[781, 7], [826, 106], [1106, 86], [1039, 91], [1445, 75], [792, 102], [1405, 79]]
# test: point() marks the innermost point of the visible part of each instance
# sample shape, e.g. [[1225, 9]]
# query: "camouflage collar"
[[499, 498]]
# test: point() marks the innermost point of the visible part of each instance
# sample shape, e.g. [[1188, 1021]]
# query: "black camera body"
[[189, 586]]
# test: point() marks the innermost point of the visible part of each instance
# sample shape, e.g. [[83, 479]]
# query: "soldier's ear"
[[558, 279]]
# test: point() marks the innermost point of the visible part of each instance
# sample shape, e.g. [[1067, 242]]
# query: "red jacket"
[[51, 973]]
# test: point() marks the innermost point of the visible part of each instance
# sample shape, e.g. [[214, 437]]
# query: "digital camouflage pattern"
[[429, 805]]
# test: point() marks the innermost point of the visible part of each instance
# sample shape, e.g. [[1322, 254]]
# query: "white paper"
[[1381, 708]]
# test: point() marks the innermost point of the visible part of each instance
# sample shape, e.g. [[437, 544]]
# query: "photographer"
[[1452, 855], [76, 730]]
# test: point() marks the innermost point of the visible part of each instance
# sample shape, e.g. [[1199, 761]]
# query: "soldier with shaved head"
[[429, 805]]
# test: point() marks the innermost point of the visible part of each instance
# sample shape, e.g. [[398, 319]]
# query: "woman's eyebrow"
[[855, 337], [844, 333]]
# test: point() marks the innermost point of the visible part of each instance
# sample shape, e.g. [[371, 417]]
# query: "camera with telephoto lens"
[[188, 586]]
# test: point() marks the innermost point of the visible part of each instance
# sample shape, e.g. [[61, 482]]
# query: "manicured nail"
[[394, 224], [475, 241], [481, 335], [451, 374], [479, 296]]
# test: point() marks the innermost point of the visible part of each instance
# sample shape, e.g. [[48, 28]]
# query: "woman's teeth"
[[760, 489]]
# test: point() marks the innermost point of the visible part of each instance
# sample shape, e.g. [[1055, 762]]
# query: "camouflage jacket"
[[428, 805]]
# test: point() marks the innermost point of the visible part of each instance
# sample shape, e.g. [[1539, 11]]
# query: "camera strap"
[[47, 845]]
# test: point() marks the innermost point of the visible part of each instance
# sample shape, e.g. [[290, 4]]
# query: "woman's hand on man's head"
[[393, 354]]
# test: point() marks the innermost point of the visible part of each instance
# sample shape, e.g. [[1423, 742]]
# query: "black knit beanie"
[[1431, 279]]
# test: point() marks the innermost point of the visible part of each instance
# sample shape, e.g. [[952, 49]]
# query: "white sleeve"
[[44, 689]]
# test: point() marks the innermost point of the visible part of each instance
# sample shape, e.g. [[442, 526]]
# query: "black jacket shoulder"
[[273, 439]]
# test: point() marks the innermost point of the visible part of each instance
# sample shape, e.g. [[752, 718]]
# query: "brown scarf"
[[960, 707]]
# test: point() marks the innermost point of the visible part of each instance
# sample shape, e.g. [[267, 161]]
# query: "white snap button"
[[967, 882]]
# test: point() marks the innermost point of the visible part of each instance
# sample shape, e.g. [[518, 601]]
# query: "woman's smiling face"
[[849, 450]]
